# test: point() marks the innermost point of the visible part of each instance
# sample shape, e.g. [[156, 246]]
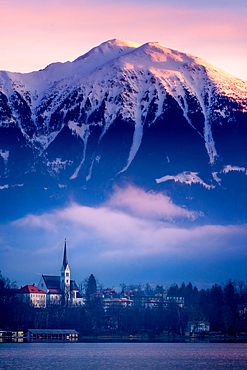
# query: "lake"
[[30, 356]]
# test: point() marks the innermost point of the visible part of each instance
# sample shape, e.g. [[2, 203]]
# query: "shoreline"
[[142, 338]]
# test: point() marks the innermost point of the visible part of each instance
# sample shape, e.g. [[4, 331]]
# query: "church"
[[61, 289]]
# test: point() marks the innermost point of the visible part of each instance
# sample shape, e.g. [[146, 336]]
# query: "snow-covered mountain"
[[124, 112]]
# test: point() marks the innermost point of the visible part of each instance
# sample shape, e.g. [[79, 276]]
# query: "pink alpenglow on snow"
[[39, 33]]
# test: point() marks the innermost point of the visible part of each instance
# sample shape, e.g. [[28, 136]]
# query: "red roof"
[[31, 289], [97, 293]]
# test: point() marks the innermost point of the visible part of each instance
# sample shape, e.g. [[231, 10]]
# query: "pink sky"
[[36, 33]]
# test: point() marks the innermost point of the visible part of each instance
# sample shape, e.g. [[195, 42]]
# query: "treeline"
[[222, 306]]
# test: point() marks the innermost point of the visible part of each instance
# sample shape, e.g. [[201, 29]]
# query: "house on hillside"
[[242, 309], [116, 303], [109, 293], [198, 327], [175, 300], [61, 289], [33, 295]]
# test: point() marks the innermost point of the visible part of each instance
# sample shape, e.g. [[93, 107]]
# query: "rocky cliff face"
[[124, 113]]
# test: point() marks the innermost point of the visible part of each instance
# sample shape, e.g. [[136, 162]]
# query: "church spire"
[[65, 276], [65, 256]]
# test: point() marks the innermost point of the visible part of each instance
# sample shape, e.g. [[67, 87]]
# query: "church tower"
[[65, 276]]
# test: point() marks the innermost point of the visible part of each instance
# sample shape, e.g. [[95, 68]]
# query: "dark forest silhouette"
[[222, 306]]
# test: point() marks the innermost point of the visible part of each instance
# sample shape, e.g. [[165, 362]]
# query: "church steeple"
[[65, 256], [65, 276]]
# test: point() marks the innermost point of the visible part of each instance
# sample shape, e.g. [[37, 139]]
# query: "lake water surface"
[[30, 356]]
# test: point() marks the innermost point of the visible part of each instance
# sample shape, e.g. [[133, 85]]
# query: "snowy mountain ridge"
[[103, 115]]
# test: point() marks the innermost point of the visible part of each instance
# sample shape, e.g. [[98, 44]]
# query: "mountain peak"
[[123, 43], [110, 49], [123, 111]]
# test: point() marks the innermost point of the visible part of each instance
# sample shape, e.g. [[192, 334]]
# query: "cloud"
[[129, 225], [124, 239], [148, 205]]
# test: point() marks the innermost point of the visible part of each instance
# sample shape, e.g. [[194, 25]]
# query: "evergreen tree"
[[91, 286]]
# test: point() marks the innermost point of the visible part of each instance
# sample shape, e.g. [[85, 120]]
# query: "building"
[[175, 300], [109, 293], [242, 309], [116, 303], [58, 334], [33, 295], [61, 289], [16, 336], [198, 327]]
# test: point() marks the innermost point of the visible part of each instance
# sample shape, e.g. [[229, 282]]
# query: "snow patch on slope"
[[216, 177], [209, 142], [137, 139], [229, 168], [5, 155], [78, 129], [83, 131], [7, 186], [186, 177], [45, 140], [57, 165]]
